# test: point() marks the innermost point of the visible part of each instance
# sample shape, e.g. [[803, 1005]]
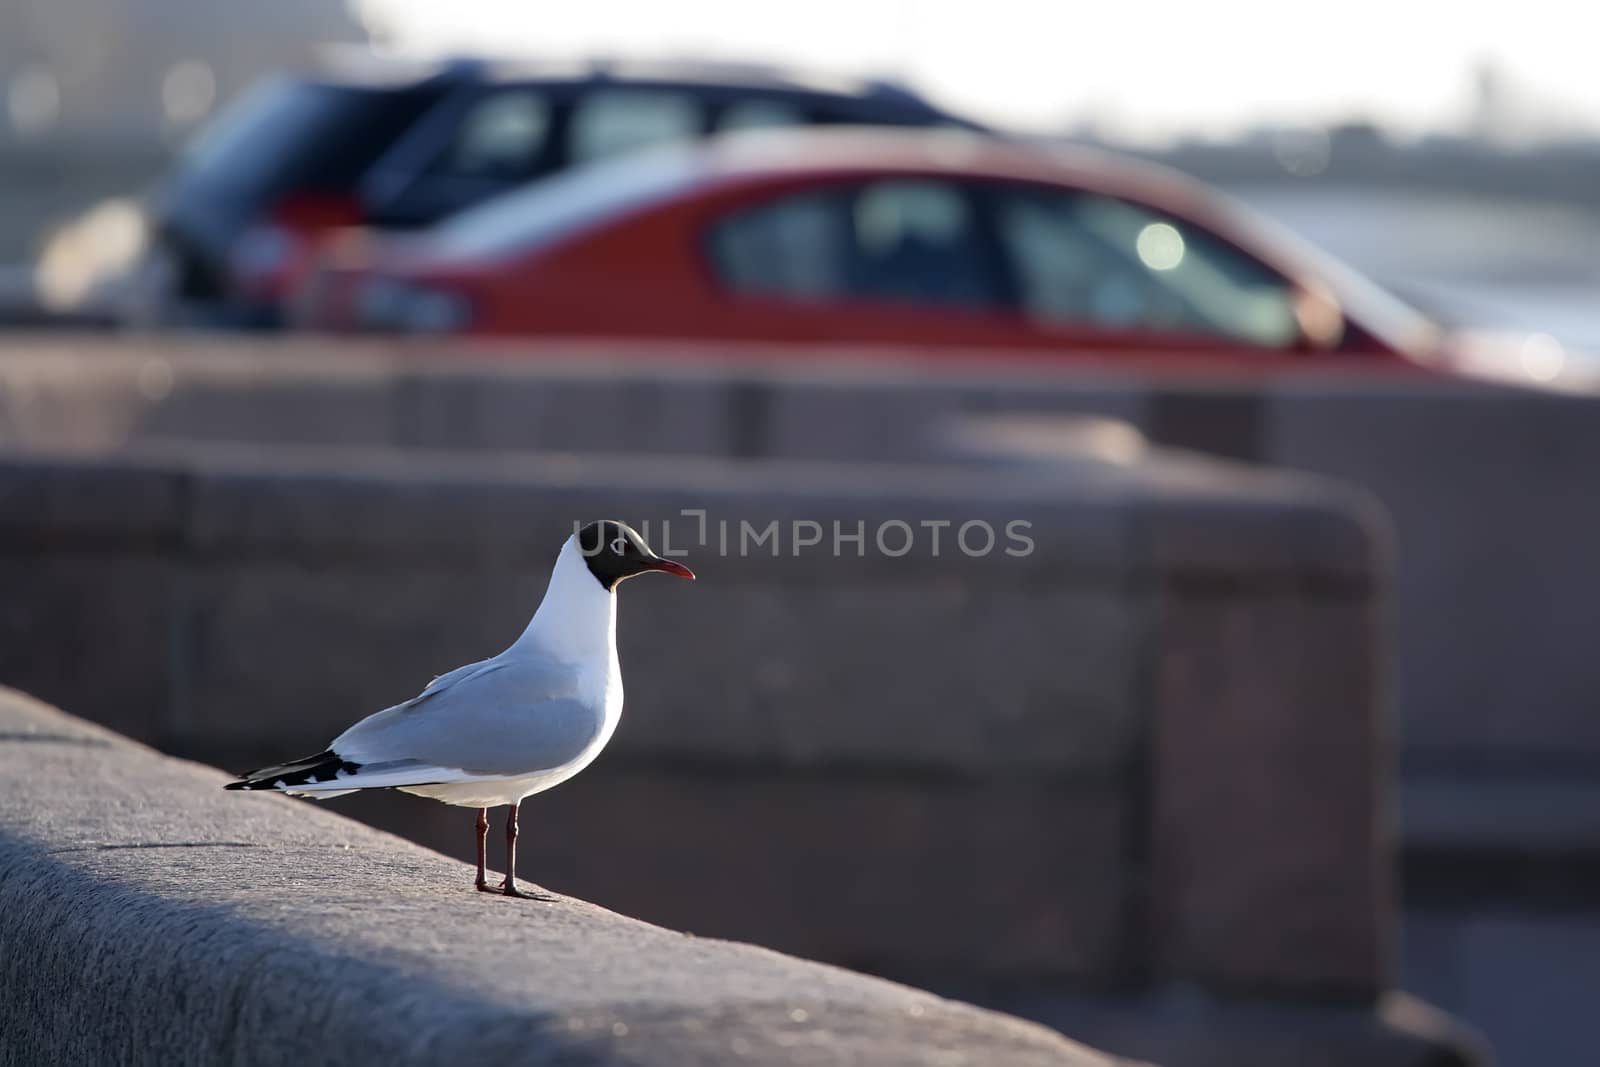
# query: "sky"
[[1140, 70]]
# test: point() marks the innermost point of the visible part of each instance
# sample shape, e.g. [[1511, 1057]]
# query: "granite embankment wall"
[[1494, 544], [1146, 756]]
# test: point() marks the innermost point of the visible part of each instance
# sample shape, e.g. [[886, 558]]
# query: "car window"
[[289, 133], [1084, 258], [502, 135], [897, 241], [759, 114], [794, 247], [612, 121]]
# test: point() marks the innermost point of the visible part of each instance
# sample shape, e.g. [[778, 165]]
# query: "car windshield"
[[1381, 313], [567, 202]]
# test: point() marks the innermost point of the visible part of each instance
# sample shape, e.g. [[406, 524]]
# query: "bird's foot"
[[485, 887], [509, 888]]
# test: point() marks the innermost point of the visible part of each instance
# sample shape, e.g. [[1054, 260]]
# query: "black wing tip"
[[323, 767]]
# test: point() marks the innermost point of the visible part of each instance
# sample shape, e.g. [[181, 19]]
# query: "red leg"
[[483, 838], [509, 886]]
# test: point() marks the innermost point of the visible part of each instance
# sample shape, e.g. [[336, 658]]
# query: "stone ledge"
[[147, 918], [1157, 517]]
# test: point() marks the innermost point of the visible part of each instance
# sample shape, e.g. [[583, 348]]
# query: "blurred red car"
[[924, 240]]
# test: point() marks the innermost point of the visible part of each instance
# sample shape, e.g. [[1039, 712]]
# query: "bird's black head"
[[615, 552]]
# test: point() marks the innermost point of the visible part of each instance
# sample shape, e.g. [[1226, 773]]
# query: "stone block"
[[62, 502], [912, 876], [1495, 532], [289, 653], [954, 678], [92, 631], [1270, 852], [526, 407]]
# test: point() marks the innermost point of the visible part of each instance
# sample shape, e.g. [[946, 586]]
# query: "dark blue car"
[[400, 146]]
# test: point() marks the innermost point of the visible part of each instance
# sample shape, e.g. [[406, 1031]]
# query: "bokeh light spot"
[[187, 92], [33, 99], [1542, 357], [1160, 246]]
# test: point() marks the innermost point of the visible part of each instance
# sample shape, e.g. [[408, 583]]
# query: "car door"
[[891, 259], [919, 260]]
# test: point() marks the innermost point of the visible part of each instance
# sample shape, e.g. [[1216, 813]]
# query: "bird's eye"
[[620, 546]]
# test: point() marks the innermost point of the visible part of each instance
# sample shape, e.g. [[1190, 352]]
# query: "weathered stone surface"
[[963, 680], [861, 423], [285, 564], [1467, 471], [1269, 850], [71, 502], [311, 587], [782, 519], [908, 875], [1201, 517], [746, 401], [152, 919], [1495, 534], [1047, 678], [93, 631], [1188, 513], [507, 408], [282, 649], [77, 394]]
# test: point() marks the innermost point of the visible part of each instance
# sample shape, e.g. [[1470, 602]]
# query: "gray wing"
[[498, 718], [450, 678]]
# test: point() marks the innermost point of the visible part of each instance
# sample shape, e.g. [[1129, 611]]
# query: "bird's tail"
[[311, 771]]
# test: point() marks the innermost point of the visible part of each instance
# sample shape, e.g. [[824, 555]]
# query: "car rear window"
[[309, 135]]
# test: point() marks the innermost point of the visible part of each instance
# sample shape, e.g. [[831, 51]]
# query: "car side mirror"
[[1319, 317]]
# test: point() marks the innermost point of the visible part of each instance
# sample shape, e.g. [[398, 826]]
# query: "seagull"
[[502, 729]]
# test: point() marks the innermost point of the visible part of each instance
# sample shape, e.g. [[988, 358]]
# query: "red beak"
[[667, 566]]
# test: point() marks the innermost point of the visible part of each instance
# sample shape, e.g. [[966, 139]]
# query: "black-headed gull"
[[497, 731]]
